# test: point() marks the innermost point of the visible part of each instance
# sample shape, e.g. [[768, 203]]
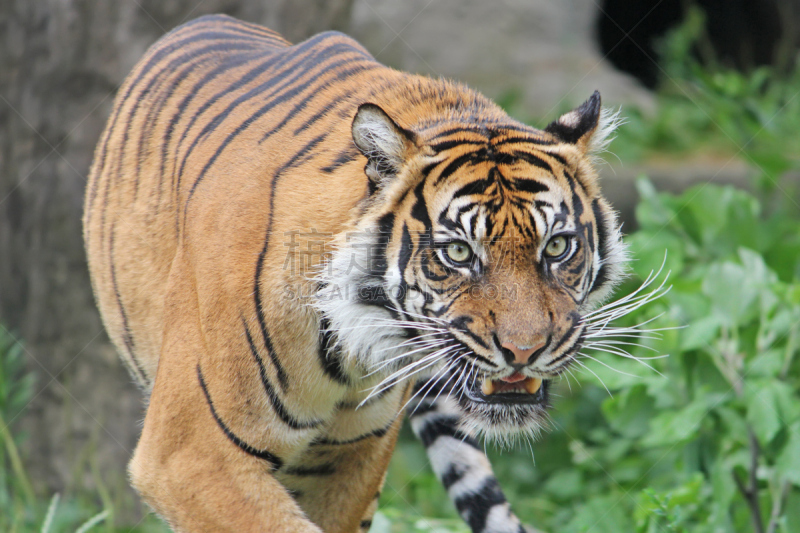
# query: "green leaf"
[[673, 427], [757, 270], [629, 411], [700, 333], [732, 293], [788, 463], [565, 484], [601, 514], [763, 410]]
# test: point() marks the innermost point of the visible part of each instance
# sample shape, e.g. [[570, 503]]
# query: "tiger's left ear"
[[385, 144], [588, 126]]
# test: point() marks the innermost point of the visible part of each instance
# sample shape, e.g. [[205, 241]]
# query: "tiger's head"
[[480, 247]]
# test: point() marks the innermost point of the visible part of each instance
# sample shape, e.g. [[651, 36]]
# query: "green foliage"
[[706, 107]]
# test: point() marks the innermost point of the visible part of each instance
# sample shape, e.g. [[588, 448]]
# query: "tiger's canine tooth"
[[532, 385], [487, 387]]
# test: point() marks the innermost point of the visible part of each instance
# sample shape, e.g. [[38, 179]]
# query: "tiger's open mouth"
[[512, 389]]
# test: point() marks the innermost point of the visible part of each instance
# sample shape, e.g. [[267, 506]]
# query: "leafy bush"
[[711, 109]]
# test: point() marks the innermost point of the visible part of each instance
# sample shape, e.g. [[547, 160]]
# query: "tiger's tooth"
[[487, 387], [532, 385]]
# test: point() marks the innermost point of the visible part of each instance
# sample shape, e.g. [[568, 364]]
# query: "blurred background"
[[706, 168]]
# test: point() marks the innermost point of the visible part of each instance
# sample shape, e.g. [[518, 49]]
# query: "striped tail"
[[460, 464]]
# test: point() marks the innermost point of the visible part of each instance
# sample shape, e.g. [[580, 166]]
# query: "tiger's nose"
[[521, 356]]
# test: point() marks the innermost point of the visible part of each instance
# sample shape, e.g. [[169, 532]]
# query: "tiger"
[[293, 245]]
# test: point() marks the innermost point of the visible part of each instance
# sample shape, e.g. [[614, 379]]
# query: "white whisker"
[[391, 360], [595, 375], [616, 343], [608, 366], [429, 385], [408, 371], [423, 317]]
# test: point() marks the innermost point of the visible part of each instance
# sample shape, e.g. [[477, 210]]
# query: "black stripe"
[[458, 162], [454, 130], [295, 91], [127, 336], [165, 71], [447, 145], [602, 240], [241, 81], [444, 426], [530, 186], [452, 475], [475, 507], [271, 458], [404, 258], [145, 71], [277, 404], [577, 203], [527, 140], [557, 158], [420, 209], [246, 28], [274, 101], [348, 155], [473, 187], [282, 379], [533, 160], [575, 320], [329, 356], [572, 349], [422, 407], [325, 469], [425, 266], [262, 324], [327, 108], [379, 263], [380, 432], [461, 324]]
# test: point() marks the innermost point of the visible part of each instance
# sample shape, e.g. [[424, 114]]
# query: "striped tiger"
[[292, 245]]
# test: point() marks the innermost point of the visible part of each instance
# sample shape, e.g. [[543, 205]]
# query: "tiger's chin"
[[503, 412]]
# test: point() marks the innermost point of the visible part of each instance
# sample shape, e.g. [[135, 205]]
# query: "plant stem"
[[777, 506], [750, 492], [16, 462]]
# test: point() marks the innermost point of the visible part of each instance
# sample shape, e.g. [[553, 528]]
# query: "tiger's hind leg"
[[461, 465]]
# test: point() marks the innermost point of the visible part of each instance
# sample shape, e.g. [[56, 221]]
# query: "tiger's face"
[[492, 242]]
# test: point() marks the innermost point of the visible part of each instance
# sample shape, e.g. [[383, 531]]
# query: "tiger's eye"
[[556, 247], [458, 252]]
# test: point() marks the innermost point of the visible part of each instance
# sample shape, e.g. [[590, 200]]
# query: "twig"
[[16, 462], [750, 492], [777, 507]]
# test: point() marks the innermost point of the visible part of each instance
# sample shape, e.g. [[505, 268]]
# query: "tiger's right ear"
[[385, 144]]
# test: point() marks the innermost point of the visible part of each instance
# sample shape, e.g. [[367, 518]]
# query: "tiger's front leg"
[[355, 472], [197, 464], [460, 464]]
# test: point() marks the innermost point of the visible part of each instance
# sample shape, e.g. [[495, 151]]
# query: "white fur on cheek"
[[361, 329]]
